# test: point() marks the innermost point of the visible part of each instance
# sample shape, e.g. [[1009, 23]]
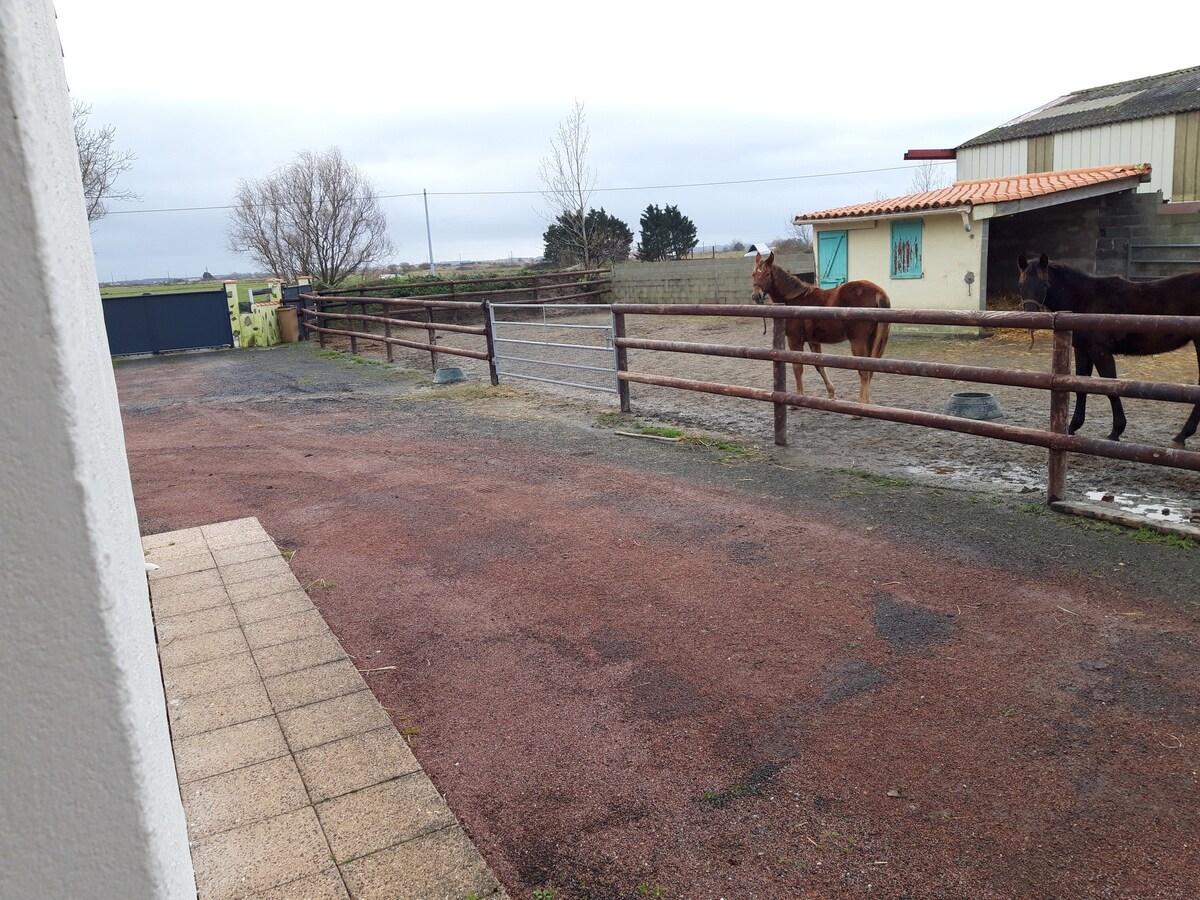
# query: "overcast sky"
[[742, 115]]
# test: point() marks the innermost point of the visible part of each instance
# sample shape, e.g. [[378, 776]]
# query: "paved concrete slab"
[[295, 783]]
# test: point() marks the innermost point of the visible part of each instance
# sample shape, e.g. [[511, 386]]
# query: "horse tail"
[[882, 329]]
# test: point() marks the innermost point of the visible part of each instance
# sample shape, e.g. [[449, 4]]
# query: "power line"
[[649, 187]]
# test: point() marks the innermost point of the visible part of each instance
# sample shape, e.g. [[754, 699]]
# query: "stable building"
[[1106, 178]]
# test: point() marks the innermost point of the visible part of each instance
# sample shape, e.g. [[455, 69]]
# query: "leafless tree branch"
[[100, 163], [318, 216], [569, 180]]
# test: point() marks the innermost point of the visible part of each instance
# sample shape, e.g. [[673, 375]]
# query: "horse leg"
[[795, 341], [816, 348], [1083, 366], [1106, 367], [1189, 427], [860, 345]]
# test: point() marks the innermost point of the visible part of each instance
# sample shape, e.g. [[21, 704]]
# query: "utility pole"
[[428, 234]]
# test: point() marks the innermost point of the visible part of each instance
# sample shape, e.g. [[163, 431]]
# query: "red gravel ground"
[[639, 669]]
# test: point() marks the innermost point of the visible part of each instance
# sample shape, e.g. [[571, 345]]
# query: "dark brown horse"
[[866, 338], [1046, 284]]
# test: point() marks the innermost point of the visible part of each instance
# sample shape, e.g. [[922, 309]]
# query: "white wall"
[[89, 804], [948, 253]]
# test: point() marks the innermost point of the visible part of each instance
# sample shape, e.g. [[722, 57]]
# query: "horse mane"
[[789, 284], [1069, 277], [1070, 274]]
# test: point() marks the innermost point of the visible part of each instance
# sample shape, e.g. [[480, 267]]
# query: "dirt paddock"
[[721, 669]]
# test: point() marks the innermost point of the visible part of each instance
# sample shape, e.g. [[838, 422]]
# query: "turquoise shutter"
[[906, 248], [831, 252]]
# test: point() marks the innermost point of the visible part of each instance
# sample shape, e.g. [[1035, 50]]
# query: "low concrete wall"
[[695, 280]]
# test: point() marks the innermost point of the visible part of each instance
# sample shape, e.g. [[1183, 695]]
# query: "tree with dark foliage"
[[666, 234], [606, 240]]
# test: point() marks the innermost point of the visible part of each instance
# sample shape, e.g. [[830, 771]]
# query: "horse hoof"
[[1178, 445]]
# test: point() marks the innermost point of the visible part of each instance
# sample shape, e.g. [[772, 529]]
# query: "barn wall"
[[695, 280], [1125, 143], [1093, 234], [992, 161], [1150, 140]]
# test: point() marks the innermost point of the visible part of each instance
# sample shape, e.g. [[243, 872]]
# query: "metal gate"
[[555, 343], [1147, 262], [158, 323]]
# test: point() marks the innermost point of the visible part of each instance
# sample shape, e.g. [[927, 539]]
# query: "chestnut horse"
[[866, 338], [1046, 284]]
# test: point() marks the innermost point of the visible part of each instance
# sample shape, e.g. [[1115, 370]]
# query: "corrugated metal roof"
[[1142, 98], [986, 190]]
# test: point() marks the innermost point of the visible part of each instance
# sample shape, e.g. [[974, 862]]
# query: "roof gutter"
[[964, 211]]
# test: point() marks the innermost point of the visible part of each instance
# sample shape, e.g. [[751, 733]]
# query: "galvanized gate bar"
[[495, 323]]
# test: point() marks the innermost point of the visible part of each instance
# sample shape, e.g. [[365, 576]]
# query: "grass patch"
[[1153, 536], [180, 287], [1107, 527], [1033, 509], [464, 391], [729, 451], [877, 480], [356, 360], [659, 431]]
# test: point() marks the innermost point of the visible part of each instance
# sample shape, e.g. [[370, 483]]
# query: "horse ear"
[[757, 260], [1022, 262], [770, 257], [1043, 261]]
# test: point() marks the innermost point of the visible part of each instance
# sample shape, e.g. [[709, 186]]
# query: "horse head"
[[764, 276], [1034, 283]]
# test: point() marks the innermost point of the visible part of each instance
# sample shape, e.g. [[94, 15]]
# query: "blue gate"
[[159, 323]]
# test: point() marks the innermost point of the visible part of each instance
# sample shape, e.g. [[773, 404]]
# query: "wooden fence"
[[329, 308], [1059, 381]]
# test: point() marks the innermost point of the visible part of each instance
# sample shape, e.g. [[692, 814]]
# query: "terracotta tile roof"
[[1141, 98], [987, 190]]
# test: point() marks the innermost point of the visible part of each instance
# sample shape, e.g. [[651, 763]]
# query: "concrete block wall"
[[1093, 234], [695, 280]]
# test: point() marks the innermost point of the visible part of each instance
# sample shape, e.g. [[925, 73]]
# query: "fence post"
[[429, 326], [489, 323], [779, 381], [319, 322], [1060, 400], [622, 354], [387, 332]]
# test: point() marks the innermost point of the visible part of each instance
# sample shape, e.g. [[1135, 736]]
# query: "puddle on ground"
[[1160, 509], [1022, 480], [1015, 477]]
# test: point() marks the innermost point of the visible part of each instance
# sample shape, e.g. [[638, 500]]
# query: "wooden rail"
[[429, 325], [1059, 381]]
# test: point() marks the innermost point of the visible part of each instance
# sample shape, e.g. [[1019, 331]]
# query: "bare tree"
[[928, 176], [318, 216], [569, 180], [100, 163], [799, 237]]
